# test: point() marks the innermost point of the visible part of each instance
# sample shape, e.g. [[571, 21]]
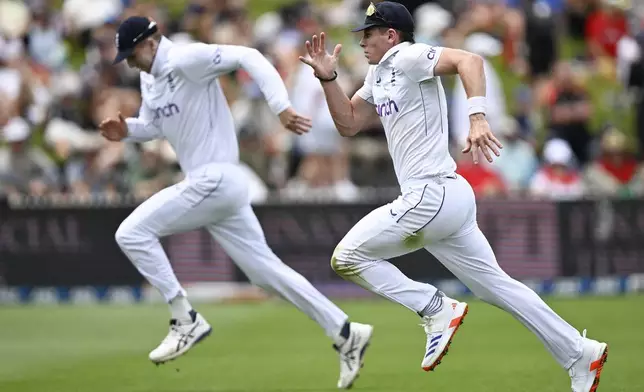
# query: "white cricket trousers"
[[440, 215], [216, 197]]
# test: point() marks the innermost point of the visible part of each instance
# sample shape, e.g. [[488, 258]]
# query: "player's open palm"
[[323, 63], [114, 129], [481, 138]]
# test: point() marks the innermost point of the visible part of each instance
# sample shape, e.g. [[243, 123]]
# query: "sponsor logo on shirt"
[[166, 111], [432, 53], [388, 108]]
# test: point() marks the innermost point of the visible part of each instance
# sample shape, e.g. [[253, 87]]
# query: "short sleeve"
[[366, 91], [418, 61]]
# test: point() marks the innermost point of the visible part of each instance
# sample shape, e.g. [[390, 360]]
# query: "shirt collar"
[[161, 56], [395, 49]]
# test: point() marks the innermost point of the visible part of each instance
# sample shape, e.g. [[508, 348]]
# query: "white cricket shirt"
[[184, 104], [413, 110]]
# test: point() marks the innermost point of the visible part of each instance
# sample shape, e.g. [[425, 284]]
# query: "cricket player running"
[[183, 103], [437, 209]]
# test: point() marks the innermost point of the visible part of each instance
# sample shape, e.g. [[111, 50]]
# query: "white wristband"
[[476, 105]]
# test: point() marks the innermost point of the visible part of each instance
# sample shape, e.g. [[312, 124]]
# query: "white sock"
[[180, 309]]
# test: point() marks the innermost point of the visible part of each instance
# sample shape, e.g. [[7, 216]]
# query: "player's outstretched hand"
[[481, 137], [295, 122], [323, 63], [114, 129]]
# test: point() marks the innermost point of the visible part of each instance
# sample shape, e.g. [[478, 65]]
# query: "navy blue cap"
[[131, 32], [388, 14]]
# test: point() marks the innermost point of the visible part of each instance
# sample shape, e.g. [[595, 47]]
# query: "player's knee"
[[127, 236], [344, 261]]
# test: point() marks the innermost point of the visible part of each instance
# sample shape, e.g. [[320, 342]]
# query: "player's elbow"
[[473, 61], [348, 131], [253, 56]]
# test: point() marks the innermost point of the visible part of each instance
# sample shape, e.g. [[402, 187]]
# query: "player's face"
[[376, 42], [142, 56]]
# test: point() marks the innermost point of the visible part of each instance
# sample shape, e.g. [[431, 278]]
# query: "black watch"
[[334, 77]]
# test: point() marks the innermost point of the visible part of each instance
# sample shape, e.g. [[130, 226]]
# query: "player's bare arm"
[[349, 115], [469, 68]]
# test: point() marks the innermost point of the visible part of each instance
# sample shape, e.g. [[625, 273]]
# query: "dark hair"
[[404, 35]]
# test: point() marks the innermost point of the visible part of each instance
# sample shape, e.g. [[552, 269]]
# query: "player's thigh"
[[200, 199], [155, 215], [377, 236]]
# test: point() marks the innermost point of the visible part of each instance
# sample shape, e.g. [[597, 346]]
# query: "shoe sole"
[[184, 352], [449, 342], [362, 352], [600, 367]]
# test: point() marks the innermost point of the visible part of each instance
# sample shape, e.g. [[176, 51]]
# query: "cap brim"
[[365, 26], [122, 56]]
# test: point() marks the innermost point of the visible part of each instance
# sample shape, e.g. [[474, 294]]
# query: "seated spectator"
[[616, 172], [604, 28], [485, 46], [24, 169], [491, 16], [518, 160], [154, 169], [557, 179], [44, 39], [570, 111], [485, 182], [84, 173]]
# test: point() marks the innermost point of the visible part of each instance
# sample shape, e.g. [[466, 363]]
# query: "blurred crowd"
[[57, 84]]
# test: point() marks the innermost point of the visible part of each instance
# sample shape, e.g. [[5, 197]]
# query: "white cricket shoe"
[[180, 339], [352, 353], [440, 329], [586, 371]]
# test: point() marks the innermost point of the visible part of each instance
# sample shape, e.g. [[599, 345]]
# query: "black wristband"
[[335, 76]]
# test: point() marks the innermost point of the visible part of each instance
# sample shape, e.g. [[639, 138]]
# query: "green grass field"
[[271, 347]]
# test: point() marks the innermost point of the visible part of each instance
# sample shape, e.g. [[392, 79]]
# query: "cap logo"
[[371, 10]]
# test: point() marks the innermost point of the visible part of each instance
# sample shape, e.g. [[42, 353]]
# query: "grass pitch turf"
[[271, 347]]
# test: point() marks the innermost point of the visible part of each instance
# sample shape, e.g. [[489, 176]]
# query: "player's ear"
[[391, 34]]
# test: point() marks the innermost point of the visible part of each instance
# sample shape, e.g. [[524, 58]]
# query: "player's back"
[[190, 112], [412, 107]]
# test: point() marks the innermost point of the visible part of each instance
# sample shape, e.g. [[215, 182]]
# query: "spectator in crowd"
[[24, 169], [524, 112], [459, 125], [605, 27], [44, 39], [570, 111], [485, 181], [616, 173], [575, 17], [432, 22], [518, 162], [153, 169], [495, 15], [15, 91], [630, 73], [56, 75], [558, 178], [541, 38]]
